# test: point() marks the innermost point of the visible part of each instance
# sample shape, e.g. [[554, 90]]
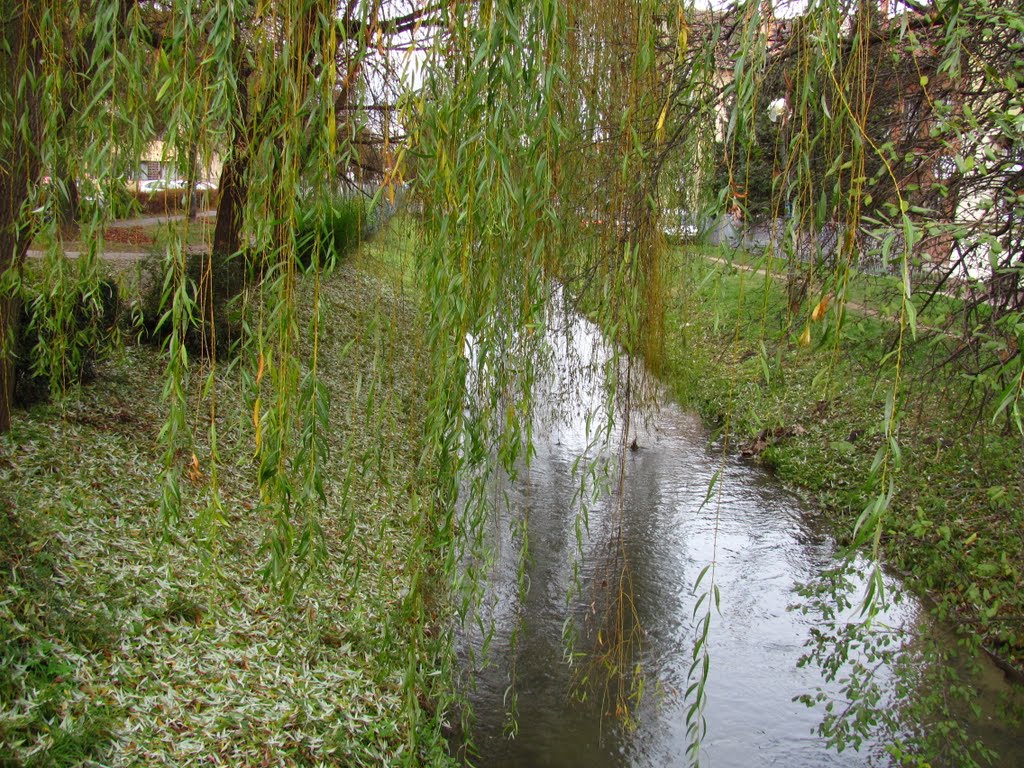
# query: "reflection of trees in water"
[[612, 668]]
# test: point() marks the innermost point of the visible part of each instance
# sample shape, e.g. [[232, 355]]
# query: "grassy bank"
[[126, 643], [814, 414]]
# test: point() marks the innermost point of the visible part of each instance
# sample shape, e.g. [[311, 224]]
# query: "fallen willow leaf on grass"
[[193, 669]]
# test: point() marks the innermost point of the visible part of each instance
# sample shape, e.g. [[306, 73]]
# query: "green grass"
[[328, 228], [391, 254], [814, 413], [866, 293], [124, 642]]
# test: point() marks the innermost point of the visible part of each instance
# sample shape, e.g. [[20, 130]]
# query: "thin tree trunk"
[[10, 317], [19, 170], [192, 195], [68, 208]]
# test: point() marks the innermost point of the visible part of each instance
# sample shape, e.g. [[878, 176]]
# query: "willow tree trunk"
[[230, 208], [20, 131], [66, 199], [233, 186]]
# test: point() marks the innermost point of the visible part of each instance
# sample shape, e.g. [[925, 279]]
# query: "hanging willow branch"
[[545, 139]]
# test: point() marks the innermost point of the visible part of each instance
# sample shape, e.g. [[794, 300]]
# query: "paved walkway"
[[118, 257], [149, 221], [130, 257]]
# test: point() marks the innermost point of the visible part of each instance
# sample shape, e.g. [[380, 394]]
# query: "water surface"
[[763, 542]]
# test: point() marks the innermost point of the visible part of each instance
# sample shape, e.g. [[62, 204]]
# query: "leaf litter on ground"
[[115, 638]]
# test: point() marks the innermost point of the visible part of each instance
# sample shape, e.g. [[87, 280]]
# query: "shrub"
[[171, 201], [110, 198], [212, 287], [330, 227], [61, 337]]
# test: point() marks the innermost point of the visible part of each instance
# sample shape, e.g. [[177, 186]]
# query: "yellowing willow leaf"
[[659, 130], [684, 33], [805, 337], [821, 308], [256, 423]]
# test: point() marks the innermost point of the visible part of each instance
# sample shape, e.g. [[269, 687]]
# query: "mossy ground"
[[127, 642], [814, 413]]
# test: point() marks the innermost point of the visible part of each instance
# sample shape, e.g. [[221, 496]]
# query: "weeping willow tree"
[[884, 137], [544, 131], [289, 95], [548, 138]]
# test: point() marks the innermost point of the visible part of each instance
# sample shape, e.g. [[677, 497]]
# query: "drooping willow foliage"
[[285, 93], [546, 140], [885, 138], [542, 134], [895, 145]]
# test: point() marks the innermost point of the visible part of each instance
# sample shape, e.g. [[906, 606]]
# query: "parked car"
[[149, 186], [680, 224]]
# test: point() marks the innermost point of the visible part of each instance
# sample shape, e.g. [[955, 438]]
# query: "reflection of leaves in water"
[[615, 667]]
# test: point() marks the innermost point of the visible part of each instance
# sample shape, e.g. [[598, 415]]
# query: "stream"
[[764, 541]]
